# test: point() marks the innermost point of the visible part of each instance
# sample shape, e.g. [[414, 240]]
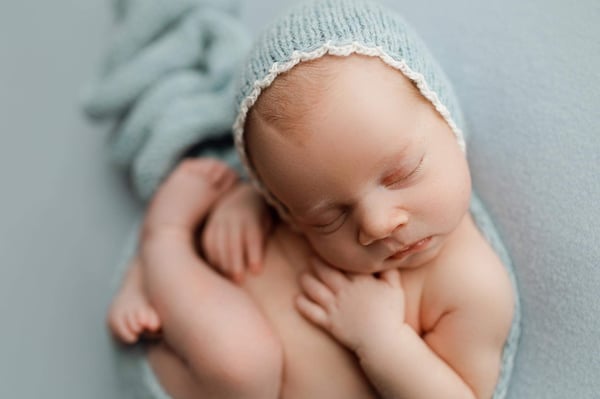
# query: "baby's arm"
[[235, 233], [458, 358]]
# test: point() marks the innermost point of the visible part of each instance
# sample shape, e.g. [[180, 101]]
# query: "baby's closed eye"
[[400, 175], [330, 225]]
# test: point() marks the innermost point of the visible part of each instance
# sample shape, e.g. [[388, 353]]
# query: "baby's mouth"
[[414, 247]]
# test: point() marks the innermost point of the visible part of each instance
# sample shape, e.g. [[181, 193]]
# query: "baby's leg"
[[214, 333], [130, 314]]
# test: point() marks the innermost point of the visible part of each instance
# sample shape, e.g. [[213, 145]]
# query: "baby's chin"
[[420, 258], [410, 261], [374, 267]]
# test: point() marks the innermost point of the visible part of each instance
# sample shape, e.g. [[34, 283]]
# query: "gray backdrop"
[[526, 72]]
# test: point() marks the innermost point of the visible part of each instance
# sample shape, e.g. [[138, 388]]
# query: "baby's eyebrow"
[[304, 212], [321, 206], [394, 158]]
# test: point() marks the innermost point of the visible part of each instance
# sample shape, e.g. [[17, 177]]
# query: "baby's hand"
[[235, 232], [354, 308]]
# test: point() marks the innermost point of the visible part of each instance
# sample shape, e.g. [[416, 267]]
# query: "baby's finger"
[[254, 249], [316, 290], [209, 239], [333, 278], [223, 176], [220, 241], [312, 311], [215, 172], [236, 249], [392, 277], [229, 180]]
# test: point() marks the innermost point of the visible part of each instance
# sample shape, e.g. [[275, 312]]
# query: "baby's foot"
[[131, 315], [188, 193]]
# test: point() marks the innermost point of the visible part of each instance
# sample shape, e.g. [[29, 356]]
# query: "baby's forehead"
[[333, 90]]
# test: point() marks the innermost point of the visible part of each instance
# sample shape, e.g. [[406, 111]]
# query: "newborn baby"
[[378, 283]]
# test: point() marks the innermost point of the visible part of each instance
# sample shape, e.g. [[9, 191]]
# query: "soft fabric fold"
[[167, 83]]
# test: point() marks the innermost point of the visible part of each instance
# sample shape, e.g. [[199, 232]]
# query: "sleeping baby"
[[374, 280]]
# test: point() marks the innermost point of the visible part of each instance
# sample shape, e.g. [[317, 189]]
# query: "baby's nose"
[[378, 224]]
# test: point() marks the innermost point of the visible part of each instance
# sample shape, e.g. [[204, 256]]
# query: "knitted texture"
[[167, 84], [341, 27]]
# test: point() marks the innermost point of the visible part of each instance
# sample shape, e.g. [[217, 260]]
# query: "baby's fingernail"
[[239, 278], [255, 266]]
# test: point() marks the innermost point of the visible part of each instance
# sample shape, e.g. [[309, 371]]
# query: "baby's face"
[[373, 176]]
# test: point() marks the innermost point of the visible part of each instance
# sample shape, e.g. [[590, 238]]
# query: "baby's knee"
[[258, 372], [252, 367]]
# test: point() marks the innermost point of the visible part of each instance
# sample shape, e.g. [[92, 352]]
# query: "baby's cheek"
[[335, 251], [452, 194], [463, 195], [324, 247]]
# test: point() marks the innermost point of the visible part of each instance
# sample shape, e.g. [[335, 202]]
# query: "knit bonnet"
[[315, 28]]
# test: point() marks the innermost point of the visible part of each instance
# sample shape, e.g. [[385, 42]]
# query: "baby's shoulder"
[[470, 306], [470, 279]]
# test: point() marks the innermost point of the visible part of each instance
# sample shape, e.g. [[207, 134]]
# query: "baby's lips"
[[417, 246]]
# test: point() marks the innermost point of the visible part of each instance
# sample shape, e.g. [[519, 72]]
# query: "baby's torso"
[[315, 364]]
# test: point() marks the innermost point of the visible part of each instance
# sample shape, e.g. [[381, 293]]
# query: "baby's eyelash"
[[418, 168], [323, 228], [390, 181]]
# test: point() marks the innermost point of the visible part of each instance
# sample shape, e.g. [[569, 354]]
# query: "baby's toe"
[[119, 327], [148, 319], [133, 323], [126, 335], [153, 322]]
